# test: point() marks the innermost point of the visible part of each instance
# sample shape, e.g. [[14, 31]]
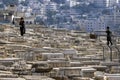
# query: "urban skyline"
[[87, 15]]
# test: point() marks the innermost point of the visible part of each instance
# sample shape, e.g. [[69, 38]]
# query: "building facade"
[[113, 19], [92, 24], [106, 3]]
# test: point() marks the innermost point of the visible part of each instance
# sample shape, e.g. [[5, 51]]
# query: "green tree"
[[85, 8], [50, 16], [24, 3], [106, 11], [65, 7]]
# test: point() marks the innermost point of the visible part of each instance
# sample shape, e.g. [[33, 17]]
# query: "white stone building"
[[95, 25], [92, 24], [34, 4], [51, 6], [113, 19], [105, 3], [72, 3]]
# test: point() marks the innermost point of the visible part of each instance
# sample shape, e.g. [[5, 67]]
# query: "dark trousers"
[[22, 30], [109, 41]]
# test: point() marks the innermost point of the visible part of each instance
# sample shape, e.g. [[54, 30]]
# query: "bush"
[[1, 29], [93, 36]]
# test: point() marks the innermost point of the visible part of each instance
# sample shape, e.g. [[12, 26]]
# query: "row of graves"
[[55, 54]]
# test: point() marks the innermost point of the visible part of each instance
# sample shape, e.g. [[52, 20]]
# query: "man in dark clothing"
[[109, 33], [22, 26]]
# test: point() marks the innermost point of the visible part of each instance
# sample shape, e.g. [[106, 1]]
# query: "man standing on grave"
[[22, 26], [109, 33]]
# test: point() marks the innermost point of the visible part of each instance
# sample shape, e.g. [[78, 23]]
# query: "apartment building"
[[92, 24], [72, 3], [51, 6], [113, 19], [105, 3], [100, 3]]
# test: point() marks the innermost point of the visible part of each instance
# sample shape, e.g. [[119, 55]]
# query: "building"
[[82, 24], [72, 3], [11, 7], [111, 3], [21, 0], [113, 19], [51, 6], [105, 3], [92, 24], [118, 1], [2, 6], [35, 4], [5, 15], [100, 3]]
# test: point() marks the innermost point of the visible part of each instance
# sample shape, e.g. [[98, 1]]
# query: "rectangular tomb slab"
[[76, 64], [88, 72], [99, 67], [112, 77], [35, 77], [12, 79], [91, 62], [115, 69], [72, 70], [58, 63], [110, 63], [81, 78]]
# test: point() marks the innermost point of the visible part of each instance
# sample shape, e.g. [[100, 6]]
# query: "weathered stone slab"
[[59, 63], [88, 72], [81, 78], [12, 79], [91, 62], [110, 63], [99, 67], [112, 77], [76, 64], [37, 77]]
